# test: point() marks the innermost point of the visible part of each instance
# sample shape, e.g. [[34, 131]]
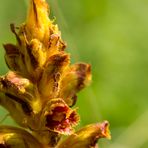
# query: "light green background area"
[[111, 35]]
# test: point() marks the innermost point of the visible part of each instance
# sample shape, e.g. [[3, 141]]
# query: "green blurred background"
[[111, 35]]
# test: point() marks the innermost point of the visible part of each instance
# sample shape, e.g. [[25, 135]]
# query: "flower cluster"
[[41, 86]]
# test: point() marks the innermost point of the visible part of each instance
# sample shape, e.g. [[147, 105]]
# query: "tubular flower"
[[87, 136], [41, 87], [59, 117]]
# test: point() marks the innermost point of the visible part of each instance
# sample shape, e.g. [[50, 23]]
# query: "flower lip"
[[61, 118]]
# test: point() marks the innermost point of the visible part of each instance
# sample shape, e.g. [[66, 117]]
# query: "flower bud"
[[37, 23]]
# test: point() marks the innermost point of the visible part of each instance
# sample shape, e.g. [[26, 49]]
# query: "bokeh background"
[[111, 35]]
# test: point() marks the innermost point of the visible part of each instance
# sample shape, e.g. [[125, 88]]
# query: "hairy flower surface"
[[42, 86]]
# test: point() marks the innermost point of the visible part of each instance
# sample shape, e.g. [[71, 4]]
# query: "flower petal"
[[87, 136]]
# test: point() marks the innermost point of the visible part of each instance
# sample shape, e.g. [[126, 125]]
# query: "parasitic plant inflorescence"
[[41, 86]]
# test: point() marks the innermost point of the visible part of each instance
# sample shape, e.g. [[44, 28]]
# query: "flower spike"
[[41, 87]]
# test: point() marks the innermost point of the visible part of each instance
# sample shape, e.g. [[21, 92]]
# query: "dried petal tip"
[[105, 130], [87, 136]]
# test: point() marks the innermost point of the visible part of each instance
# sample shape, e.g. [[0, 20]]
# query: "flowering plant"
[[41, 86]]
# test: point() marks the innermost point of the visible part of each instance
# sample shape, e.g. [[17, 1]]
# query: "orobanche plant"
[[41, 86]]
